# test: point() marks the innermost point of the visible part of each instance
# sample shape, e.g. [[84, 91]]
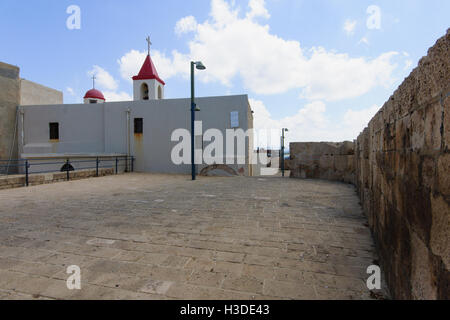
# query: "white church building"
[[142, 128]]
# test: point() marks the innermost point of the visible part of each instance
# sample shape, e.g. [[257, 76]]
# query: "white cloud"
[[131, 63], [185, 25], [311, 123], [257, 9], [70, 91], [356, 121], [408, 64], [232, 45], [112, 96], [334, 77], [364, 40], [308, 124], [103, 79], [349, 27]]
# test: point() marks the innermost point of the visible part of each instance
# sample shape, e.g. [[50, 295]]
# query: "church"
[[143, 128]]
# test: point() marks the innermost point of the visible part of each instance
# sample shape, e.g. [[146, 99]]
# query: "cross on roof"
[[93, 81], [149, 44]]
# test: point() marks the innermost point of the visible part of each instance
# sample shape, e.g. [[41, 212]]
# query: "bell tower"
[[147, 85]]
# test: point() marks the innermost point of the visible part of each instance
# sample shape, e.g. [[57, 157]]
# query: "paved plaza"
[[146, 236]]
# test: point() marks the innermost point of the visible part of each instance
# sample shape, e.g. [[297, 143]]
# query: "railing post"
[[96, 167], [67, 169], [117, 165], [132, 164], [26, 173]]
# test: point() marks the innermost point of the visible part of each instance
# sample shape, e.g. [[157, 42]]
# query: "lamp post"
[[282, 150], [199, 65]]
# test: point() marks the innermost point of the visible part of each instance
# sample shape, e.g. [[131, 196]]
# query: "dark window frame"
[[54, 130], [138, 125]]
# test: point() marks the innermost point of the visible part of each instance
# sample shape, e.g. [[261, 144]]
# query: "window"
[[159, 93], [92, 101], [144, 91], [138, 125], [234, 119], [54, 131]]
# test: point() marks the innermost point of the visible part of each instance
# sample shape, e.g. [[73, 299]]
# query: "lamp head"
[[199, 65]]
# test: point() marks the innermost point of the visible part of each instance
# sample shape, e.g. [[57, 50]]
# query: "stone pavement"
[[144, 236]]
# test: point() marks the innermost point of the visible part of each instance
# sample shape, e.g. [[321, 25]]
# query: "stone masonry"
[[9, 100], [18, 181], [402, 163], [15, 91], [148, 236], [323, 160], [403, 179]]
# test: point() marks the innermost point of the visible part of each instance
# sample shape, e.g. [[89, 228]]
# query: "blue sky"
[[321, 68]]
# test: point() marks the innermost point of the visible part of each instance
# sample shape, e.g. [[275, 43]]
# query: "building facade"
[[145, 128]]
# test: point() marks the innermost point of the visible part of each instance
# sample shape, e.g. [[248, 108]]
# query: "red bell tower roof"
[[148, 71]]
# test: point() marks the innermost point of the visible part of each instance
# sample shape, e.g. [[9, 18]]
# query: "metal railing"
[[32, 166]]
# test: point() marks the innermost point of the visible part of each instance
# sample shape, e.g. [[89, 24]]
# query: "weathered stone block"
[[422, 284], [440, 230], [443, 174], [446, 109], [428, 171], [432, 127], [417, 131]]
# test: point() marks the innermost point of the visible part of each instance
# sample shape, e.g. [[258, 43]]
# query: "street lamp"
[[282, 150], [199, 65]]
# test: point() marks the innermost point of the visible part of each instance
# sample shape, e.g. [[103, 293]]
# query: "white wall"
[[153, 85], [102, 128]]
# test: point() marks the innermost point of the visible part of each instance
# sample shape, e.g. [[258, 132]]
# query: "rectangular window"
[[138, 125], [54, 131], [234, 119]]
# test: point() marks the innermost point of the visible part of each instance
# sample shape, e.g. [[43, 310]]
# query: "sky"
[[321, 68]]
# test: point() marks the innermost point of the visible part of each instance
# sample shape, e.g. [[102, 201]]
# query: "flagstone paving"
[[144, 236]]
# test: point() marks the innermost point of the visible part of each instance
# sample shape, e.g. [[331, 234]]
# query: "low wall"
[[403, 179], [322, 160], [18, 181]]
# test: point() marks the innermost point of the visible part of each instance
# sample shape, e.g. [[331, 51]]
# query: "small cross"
[[149, 44], [93, 81]]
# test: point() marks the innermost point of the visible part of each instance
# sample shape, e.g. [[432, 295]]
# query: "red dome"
[[94, 94]]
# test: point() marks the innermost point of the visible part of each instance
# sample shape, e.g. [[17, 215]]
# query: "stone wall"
[[14, 92], [9, 101], [401, 166], [18, 181], [322, 160], [403, 179], [32, 93]]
